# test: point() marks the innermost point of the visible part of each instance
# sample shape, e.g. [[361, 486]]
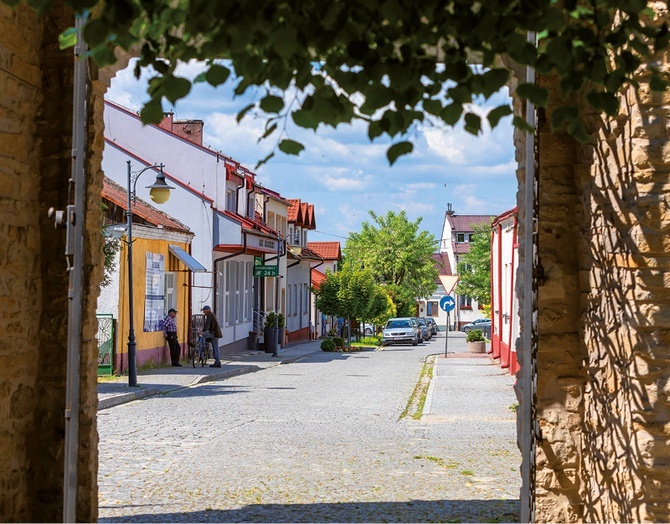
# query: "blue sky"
[[341, 172]]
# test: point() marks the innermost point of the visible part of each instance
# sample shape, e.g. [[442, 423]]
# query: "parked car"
[[480, 323], [433, 325], [417, 327], [400, 331], [368, 329], [426, 332]]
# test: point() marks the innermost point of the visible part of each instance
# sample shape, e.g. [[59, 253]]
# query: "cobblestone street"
[[319, 440]]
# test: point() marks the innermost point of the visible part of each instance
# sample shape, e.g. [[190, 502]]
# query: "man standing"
[[212, 332], [170, 333]]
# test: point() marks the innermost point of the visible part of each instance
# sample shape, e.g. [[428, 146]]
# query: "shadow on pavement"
[[504, 510]]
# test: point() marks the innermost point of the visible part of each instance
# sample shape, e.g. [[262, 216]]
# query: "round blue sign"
[[447, 303]]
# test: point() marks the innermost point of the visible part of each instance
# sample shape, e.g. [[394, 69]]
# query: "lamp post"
[[160, 193], [276, 326]]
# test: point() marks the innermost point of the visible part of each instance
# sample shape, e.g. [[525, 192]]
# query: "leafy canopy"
[[398, 254], [474, 267], [390, 63]]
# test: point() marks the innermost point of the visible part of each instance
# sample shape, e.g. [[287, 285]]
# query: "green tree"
[[398, 254], [474, 267], [391, 65]]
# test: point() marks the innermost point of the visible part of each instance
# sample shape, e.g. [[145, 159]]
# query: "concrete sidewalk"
[[113, 391]]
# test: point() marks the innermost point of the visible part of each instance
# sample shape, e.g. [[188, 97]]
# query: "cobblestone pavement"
[[318, 440]]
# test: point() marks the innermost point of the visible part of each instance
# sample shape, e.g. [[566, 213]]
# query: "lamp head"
[[159, 191]]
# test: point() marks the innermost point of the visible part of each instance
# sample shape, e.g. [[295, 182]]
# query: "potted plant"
[[476, 341], [269, 333]]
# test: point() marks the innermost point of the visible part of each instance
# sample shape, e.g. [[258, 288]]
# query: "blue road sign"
[[447, 303]]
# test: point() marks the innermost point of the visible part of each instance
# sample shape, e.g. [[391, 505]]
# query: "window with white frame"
[[170, 291], [295, 299], [231, 201], [238, 295], [465, 302], [305, 299]]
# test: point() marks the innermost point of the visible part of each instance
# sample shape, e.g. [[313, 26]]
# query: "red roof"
[[301, 213], [326, 250], [118, 195], [463, 223], [317, 278]]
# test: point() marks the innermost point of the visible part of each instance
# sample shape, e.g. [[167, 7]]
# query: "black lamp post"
[[160, 193]]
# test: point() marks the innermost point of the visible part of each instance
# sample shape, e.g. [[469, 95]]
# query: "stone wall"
[[35, 144], [625, 274]]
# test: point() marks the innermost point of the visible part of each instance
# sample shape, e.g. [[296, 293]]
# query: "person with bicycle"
[[212, 332]]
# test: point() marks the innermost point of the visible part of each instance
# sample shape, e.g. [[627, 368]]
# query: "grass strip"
[[417, 399]]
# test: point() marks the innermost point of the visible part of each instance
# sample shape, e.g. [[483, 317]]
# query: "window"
[[432, 309], [460, 237], [464, 302], [305, 295], [231, 204], [295, 299], [238, 294], [170, 291]]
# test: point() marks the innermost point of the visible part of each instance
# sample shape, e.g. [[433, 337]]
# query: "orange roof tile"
[[317, 278], [326, 250], [118, 195]]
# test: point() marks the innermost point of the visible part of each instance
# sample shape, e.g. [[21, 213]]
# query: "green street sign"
[[265, 271], [258, 261]]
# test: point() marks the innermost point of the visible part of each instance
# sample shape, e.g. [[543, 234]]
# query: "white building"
[[331, 255], [504, 302], [220, 202], [446, 282], [457, 232]]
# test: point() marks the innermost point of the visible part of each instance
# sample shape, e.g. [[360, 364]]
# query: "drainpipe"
[[237, 198], [253, 190], [310, 298], [527, 430], [75, 222]]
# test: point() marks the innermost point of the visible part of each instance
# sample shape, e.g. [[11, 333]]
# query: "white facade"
[[216, 199]]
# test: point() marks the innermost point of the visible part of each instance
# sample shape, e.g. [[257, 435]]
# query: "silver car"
[[400, 331]]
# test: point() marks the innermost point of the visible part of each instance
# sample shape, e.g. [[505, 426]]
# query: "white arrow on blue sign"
[[447, 303]]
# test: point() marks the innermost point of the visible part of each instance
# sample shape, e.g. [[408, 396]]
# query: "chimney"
[[450, 211], [189, 129], [166, 123]]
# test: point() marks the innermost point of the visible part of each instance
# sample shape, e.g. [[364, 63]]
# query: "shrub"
[[327, 345], [339, 342], [475, 335], [270, 319]]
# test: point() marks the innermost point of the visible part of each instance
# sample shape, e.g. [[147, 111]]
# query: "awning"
[[187, 259], [448, 282]]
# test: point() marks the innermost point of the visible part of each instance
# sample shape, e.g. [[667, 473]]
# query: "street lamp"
[[159, 192]]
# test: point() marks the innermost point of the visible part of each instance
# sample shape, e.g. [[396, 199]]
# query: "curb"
[[243, 370], [116, 400]]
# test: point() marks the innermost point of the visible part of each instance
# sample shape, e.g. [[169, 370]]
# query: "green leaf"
[[264, 161], [536, 94], [200, 78], [304, 118], [272, 104], [521, 123], [95, 32], [492, 81], [67, 38], [175, 87], [103, 56], [606, 102], [217, 74], [152, 112], [290, 147], [434, 107], [397, 150], [451, 113], [374, 129], [473, 123], [243, 112], [563, 114], [497, 113], [269, 129]]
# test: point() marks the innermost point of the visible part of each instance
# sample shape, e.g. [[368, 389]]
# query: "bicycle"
[[199, 352]]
